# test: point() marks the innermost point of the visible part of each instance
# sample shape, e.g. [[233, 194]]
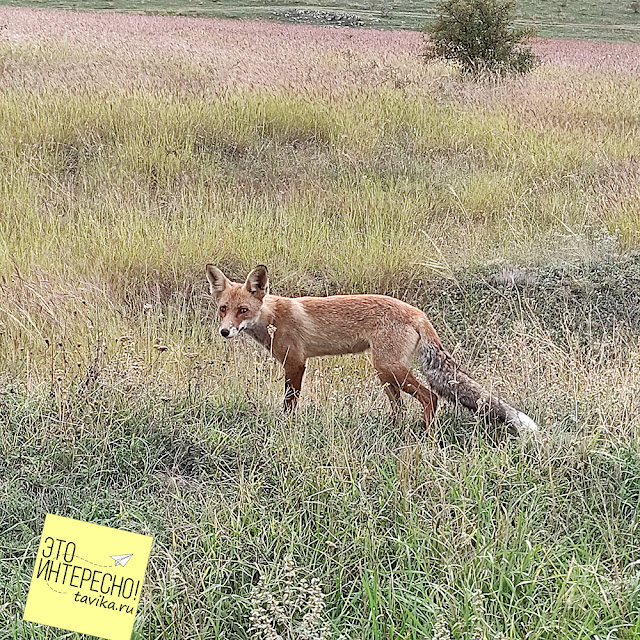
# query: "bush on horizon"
[[476, 34]]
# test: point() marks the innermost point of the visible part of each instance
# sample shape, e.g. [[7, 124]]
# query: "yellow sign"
[[87, 578]]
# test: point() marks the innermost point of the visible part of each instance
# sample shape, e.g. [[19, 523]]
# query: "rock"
[[308, 16]]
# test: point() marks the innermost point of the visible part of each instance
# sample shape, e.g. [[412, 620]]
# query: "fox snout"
[[229, 332]]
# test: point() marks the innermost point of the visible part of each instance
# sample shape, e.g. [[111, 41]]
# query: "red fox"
[[294, 329]]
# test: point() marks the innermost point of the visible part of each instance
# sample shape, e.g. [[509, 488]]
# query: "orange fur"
[[295, 329]]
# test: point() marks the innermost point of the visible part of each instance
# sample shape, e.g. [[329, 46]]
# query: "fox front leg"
[[292, 383]]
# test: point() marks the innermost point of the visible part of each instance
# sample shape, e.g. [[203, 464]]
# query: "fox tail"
[[450, 382]]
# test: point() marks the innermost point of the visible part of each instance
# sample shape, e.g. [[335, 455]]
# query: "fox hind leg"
[[411, 385], [399, 378], [393, 392]]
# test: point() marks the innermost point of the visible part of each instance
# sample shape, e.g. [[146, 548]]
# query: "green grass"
[[557, 18], [364, 187], [508, 212], [458, 531], [483, 539]]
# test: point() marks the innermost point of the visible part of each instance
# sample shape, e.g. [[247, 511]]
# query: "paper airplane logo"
[[122, 560]]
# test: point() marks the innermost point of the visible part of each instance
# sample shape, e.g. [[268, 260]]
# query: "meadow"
[[589, 19], [135, 149]]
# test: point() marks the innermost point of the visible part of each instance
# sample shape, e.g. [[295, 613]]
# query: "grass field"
[[591, 19], [134, 149]]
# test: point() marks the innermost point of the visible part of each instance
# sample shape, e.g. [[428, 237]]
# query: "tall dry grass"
[[507, 211]]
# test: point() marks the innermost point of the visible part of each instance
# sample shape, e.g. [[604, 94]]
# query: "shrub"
[[477, 35]]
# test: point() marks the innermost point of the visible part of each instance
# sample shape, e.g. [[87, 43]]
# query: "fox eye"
[[222, 310], [242, 310]]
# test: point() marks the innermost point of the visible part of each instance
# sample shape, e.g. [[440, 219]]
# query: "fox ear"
[[218, 282], [258, 282]]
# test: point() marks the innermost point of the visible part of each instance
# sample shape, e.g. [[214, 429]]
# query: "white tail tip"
[[526, 423]]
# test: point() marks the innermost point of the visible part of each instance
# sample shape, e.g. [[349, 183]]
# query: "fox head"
[[238, 304]]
